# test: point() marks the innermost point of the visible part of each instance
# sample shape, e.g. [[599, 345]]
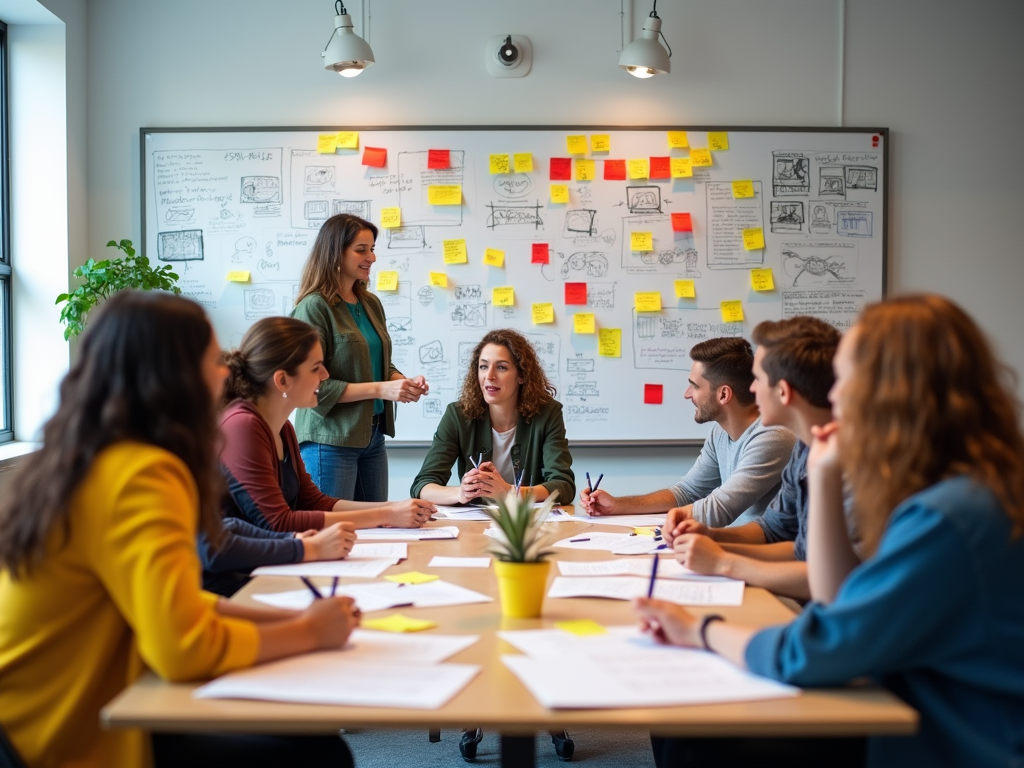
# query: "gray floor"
[[411, 749]]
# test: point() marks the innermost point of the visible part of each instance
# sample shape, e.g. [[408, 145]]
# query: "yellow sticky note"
[[412, 577], [647, 301], [682, 167], [645, 531], [500, 164], [600, 142], [396, 622], [390, 217], [641, 241], [583, 322], [455, 251], [701, 157], [581, 627], [686, 289], [718, 140], [639, 168], [559, 193], [762, 279], [493, 257], [678, 139], [585, 170], [439, 279], [543, 313], [444, 194], [326, 143], [609, 342], [238, 277], [576, 145], [732, 312], [387, 281], [348, 140], [743, 188], [753, 239], [523, 162], [505, 296]]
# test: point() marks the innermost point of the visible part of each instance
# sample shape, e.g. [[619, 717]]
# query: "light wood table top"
[[495, 699]]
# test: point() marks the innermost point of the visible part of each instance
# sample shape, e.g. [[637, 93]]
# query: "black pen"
[[654, 575], [312, 588], [334, 585]]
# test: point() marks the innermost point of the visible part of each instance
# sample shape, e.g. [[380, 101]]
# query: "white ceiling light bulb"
[[645, 56], [345, 53]]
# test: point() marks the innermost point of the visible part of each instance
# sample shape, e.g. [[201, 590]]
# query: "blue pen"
[[313, 589], [598, 482], [654, 575], [590, 486], [334, 585]]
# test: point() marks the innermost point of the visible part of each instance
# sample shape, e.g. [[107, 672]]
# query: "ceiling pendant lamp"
[[346, 52]]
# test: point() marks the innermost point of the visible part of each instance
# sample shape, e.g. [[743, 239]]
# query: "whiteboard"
[[218, 201]]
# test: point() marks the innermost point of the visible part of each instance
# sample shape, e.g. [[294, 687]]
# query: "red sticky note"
[[439, 158], [615, 170], [575, 293], [375, 156], [561, 169], [661, 168], [653, 394], [681, 222], [540, 254]]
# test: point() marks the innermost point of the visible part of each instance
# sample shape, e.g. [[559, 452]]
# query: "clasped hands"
[[482, 481]]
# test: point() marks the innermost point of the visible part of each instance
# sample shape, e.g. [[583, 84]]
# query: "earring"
[[284, 395]]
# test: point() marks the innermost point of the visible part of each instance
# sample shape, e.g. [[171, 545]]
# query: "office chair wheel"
[[564, 745], [470, 740]]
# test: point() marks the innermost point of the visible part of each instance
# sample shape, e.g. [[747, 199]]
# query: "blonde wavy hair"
[[928, 400], [534, 393]]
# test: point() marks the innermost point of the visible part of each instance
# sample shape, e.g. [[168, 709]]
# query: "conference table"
[[495, 699]]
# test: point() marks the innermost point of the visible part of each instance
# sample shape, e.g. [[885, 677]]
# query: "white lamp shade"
[[645, 56], [346, 53]]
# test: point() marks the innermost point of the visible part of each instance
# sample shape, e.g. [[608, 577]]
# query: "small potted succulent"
[[520, 542]]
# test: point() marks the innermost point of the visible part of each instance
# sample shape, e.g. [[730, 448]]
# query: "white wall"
[[947, 80]]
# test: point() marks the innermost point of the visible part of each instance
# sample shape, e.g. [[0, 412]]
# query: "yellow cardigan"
[[122, 594]]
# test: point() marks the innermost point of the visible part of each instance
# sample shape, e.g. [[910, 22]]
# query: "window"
[[6, 379]]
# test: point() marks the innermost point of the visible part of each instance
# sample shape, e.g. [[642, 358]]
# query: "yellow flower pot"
[[521, 587]]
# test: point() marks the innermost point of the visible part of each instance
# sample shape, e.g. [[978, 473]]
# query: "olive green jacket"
[[540, 449], [347, 358]]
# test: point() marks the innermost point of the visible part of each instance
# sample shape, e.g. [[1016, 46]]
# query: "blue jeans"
[[356, 474]]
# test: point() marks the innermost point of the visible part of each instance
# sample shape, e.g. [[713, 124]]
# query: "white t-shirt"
[[501, 454]]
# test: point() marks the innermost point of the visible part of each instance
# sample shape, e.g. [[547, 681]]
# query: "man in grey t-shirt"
[[737, 472]]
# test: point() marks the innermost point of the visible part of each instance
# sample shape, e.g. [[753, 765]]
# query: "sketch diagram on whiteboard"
[[831, 181], [417, 178], [425, 295], [854, 223], [260, 189], [318, 179], [469, 315], [661, 259], [861, 177], [259, 302], [433, 408], [180, 215], [432, 352], [663, 341], [546, 346], [180, 245], [513, 185], [580, 222], [601, 295], [583, 389], [523, 216], [818, 264], [245, 247], [791, 174], [646, 199], [406, 237], [588, 263], [787, 216], [727, 217], [821, 224]]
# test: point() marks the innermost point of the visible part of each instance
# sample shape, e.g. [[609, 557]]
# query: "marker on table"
[[312, 588], [654, 575]]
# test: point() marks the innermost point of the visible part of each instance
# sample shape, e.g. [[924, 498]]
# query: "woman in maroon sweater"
[[278, 368]]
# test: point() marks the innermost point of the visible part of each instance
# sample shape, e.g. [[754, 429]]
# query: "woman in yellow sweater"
[[99, 573]]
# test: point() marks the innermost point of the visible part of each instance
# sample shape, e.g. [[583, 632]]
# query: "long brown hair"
[[321, 273], [271, 344], [139, 377], [928, 400], [534, 393]]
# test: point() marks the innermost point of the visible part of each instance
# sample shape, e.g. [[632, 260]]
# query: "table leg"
[[518, 751]]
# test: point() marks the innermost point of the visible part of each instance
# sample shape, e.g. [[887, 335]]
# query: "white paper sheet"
[[461, 513], [378, 596], [668, 568], [379, 551], [617, 543], [367, 569], [556, 643], [407, 534], [311, 679], [627, 521], [400, 647], [459, 562], [630, 587]]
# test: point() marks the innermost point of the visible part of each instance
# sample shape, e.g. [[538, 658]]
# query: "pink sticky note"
[[615, 170], [575, 293], [661, 168], [540, 254], [561, 169], [681, 222], [375, 156], [439, 159], [653, 394]]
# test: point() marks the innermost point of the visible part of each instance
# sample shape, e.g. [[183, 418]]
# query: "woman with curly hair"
[[506, 427]]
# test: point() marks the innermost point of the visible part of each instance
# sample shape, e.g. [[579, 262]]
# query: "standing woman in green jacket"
[[506, 420], [342, 439]]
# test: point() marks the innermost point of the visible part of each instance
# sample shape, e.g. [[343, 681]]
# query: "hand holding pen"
[[596, 502], [331, 619]]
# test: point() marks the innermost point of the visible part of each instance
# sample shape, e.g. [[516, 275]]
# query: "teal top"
[[376, 348]]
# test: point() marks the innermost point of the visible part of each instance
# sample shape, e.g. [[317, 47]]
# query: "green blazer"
[[347, 357], [540, 448]]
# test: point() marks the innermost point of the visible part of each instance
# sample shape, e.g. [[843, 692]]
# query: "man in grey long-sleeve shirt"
[[738, 470]]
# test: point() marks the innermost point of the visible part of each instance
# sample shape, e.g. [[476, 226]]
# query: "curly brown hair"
[[534, 393], [929, 400]]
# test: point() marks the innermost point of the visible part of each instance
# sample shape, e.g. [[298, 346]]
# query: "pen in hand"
[[654, 575], [312, 587]]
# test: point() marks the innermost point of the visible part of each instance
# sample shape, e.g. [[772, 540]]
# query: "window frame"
[[6, 273]]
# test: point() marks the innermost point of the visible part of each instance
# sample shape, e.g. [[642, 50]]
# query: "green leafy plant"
[[103, 278], [520, 534]]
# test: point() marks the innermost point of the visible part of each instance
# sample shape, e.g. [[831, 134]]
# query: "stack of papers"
[[381, 595], [407, 534], [617, 543], [376, 669], [622, 668], [729, 592]]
